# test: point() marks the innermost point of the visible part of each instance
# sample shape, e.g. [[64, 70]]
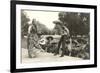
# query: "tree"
[[41, 28], [77, 23], [24, 23], [86, 19]]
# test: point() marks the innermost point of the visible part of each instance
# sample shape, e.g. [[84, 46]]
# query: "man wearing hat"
[[49, 43], [62, 42]]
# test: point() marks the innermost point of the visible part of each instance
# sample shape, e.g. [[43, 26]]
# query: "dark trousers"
[[62, 43]]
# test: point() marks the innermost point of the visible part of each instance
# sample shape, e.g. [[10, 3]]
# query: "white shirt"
[[29, 29], [65, 31]]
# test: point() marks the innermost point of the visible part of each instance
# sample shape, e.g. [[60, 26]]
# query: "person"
[[32, 41], [49, 44], [54, 46], [43, 42], [84, 52], [62, 42]]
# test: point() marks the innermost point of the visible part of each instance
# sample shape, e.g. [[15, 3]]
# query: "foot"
[[55, 54], [62, 56]]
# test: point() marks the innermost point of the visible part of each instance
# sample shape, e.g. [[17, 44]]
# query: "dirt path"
[[45, 57]]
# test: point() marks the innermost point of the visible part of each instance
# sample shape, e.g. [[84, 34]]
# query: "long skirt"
[[31, 46]]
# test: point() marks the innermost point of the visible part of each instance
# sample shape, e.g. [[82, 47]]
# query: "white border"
[[69, 63]]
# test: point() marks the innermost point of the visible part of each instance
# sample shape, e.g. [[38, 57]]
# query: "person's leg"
[[63, 51], [48, 50], [63, 47], [28, 46], [30, 51], [31, 54], [66, 51], [28, 43], [57, 49]]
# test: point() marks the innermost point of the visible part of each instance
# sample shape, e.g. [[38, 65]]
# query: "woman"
[[33, 43]]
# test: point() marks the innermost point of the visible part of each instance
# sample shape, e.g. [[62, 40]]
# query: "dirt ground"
[[45, 57]]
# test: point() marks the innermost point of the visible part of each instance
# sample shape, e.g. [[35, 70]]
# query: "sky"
[[44, 17]]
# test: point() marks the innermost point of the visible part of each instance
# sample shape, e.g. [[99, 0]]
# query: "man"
[[49, 44], [62, 42], [32, 41]]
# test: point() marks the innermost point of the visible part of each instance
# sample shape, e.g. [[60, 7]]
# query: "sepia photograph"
[[48, 36], [52, 36]]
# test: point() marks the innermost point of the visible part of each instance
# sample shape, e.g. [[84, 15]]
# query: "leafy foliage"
[[77, 23], [41, 28], [24, 23]]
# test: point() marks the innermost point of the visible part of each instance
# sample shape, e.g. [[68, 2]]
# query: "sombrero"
[[49, 37], [82, 41]]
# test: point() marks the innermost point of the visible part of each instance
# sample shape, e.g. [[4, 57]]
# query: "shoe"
[[55, 54], [62, 56]]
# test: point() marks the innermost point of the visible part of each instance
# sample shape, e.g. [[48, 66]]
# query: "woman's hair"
[[34, 25]]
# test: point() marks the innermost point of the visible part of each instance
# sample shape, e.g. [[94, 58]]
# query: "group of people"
[[51, 47], [79, 47]]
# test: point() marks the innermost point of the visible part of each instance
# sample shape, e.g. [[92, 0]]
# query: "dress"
[[32, 42]]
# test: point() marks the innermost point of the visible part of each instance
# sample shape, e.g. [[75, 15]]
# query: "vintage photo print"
[[48, 36]]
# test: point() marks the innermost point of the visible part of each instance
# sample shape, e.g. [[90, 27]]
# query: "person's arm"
[[66, 29], [37, 45], [29, 29]]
